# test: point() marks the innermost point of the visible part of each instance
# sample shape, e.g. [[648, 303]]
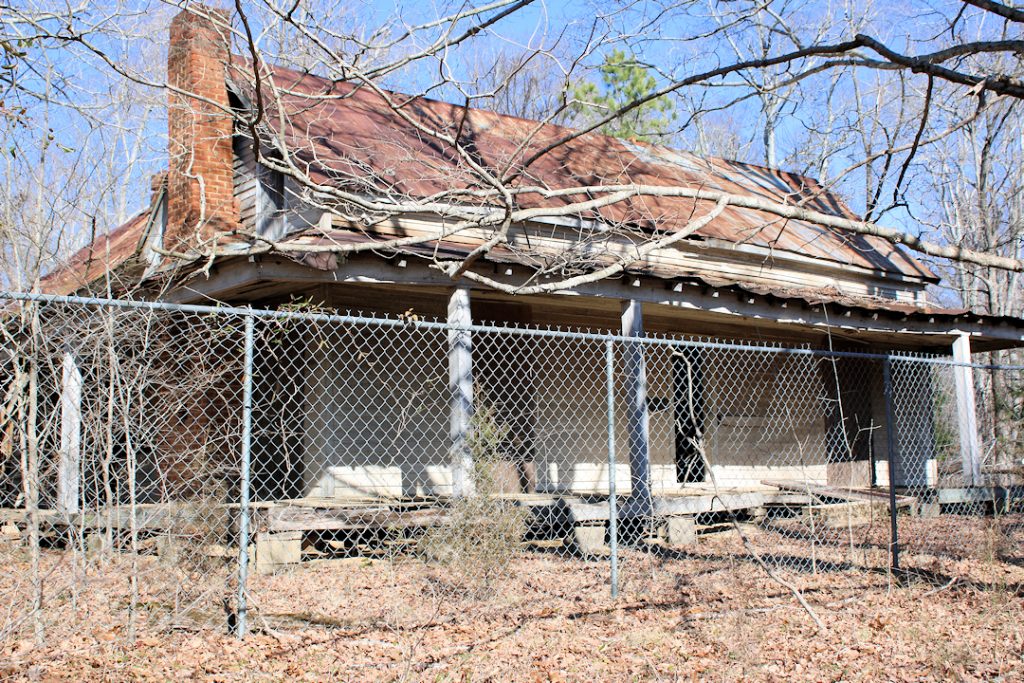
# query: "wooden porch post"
[[637, 417], [70, 454], [970, 448], [460, 386]]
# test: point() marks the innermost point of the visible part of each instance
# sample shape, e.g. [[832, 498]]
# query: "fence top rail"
[[577, 335]]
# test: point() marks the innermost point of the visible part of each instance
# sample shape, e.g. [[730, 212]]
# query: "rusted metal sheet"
[[342, 133], [101, 257], [350, 136]]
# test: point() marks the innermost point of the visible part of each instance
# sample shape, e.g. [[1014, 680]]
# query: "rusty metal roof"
[[102, 258], [352, 137]]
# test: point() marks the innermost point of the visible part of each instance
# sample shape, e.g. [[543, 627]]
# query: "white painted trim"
[[70, 453], [229, 276], [710, 258], [970, 445]]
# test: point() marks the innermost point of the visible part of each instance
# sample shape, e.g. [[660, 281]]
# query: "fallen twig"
[[948, 584]]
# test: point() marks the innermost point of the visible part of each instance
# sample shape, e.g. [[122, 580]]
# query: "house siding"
[[246, 182], [376, 416]]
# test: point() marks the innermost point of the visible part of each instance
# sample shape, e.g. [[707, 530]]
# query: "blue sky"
[[140, 40]]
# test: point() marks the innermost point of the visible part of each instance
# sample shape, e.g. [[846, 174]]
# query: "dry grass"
[[480, 540], [704, 614]]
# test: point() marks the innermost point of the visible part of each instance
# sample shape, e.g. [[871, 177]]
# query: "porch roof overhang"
[[725, 307]]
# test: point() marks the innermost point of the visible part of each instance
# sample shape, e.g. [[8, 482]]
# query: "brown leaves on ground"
[[705, 614]]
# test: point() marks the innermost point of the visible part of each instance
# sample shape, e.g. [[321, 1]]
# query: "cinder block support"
[[637, 416], [10, 535], [460, 386], [70, 455], [927, 509], [970, 447], [589, 539], [168, 548], [681, 531], [276, 551]]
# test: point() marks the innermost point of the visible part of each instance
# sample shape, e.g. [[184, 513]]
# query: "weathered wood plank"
[[978, 494], [722, 502], [546, 510], [292, 518], [153, 516], [824, 491]]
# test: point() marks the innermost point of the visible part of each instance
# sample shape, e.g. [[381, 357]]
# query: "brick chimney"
[[200, 186]]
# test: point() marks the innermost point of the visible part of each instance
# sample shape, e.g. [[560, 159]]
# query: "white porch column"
[[637, 417], [970, 447], [70, 454], [460, 386]]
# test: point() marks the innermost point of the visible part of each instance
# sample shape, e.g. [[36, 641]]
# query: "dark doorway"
[[688, 404], [280, 371], [504, 369]]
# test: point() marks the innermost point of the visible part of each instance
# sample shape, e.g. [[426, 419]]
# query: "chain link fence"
[[175, 466], [959, 443], [121, 445]]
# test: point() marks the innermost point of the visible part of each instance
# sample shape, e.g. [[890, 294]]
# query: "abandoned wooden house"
[[746, 276]]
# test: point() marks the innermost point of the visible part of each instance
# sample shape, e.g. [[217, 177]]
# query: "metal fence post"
[[890, 435], [613, 514], [243, 489]]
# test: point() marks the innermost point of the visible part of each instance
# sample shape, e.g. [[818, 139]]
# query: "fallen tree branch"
[[750, 548]]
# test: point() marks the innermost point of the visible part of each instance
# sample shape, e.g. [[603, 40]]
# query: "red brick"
[[199, 132]]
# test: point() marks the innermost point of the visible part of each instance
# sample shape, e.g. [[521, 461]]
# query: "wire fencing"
[[171, 466], [121, 445]]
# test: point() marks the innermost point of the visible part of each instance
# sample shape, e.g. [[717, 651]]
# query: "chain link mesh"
[[120, 449], [963, 490], [466, 457]]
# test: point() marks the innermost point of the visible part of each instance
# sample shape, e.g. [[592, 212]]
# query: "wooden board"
[[824, 491], [325, 514]]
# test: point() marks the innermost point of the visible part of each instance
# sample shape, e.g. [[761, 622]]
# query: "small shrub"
[[483, 531]]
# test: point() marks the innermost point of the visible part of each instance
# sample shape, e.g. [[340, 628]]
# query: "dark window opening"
[[688, 400]]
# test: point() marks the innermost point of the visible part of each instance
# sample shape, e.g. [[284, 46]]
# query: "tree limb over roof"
[[363, 154]]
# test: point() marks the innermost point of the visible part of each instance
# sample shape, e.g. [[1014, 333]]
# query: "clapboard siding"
[[247, 183]]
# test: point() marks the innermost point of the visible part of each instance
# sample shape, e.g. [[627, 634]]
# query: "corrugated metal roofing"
[[102, 257], [352, 137], [359, 139]]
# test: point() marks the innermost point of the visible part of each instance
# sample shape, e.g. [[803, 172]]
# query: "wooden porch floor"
[[354, 513]]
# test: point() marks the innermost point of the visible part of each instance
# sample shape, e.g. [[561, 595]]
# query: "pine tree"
[[624, 80]]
